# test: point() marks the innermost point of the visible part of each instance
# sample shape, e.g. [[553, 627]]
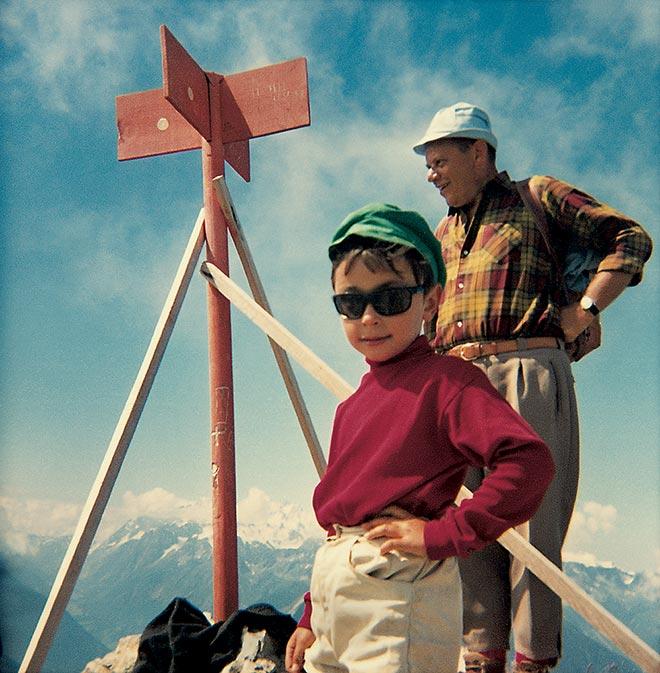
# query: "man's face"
[[454, 171]]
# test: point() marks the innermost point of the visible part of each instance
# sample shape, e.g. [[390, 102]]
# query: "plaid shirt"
[[500, 278]]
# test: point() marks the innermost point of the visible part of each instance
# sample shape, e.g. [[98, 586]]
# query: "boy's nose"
[[370, 315]]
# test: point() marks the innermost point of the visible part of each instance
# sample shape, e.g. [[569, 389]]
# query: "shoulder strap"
[[532, 201]]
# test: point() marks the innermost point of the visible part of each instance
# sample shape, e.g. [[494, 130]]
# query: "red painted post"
[[225, 558], [219, 114]]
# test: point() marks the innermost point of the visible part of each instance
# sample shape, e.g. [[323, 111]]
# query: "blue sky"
[[90, 245]]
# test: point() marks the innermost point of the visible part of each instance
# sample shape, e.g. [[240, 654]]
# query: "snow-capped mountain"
[[280, 525], [132, 576]]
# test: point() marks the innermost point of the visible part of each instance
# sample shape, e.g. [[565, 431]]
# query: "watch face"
[[587, 303]]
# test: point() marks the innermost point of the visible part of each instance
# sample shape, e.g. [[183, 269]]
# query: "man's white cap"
[[461, 120]]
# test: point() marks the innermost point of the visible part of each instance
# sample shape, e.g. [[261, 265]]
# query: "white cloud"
[[240, 35], [69, 54], [20, 518], [591, 524], [586, 558], [256, 513], [599, 28]]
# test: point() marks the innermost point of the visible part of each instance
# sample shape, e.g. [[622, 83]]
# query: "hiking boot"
[[530, 667], [475, 662]]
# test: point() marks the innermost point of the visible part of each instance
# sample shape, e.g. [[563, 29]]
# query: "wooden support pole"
[[259, 294], [570, 592], [99, 495]]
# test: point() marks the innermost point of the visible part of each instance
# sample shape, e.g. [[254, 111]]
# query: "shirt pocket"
[[498, 241]]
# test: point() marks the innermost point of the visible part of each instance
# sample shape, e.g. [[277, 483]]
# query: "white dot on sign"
[[162, 124], [191, 95]]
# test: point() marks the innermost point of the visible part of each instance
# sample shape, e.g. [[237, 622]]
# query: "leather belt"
[[479, 349]]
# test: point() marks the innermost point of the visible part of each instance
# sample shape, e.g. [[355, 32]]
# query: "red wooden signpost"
[[218, 114]]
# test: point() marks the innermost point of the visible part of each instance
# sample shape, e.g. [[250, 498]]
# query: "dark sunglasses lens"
[[392, 301], [350, 305]]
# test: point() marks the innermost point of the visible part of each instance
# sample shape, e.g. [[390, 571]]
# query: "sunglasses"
[[390, 301]]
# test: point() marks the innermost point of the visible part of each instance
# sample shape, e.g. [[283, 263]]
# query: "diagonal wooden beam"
[[99, 495]]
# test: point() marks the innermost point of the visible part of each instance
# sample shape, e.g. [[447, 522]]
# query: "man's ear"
[[481, 157], [431, 301]]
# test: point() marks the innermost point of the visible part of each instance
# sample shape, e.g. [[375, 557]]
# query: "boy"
[[385, 592]]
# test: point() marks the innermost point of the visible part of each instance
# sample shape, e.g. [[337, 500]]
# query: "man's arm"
[[603, 289]]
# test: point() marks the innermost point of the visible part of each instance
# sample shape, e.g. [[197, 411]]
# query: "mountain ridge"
[[132, 575]]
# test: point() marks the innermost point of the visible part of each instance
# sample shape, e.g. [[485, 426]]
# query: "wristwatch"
[[588, 304]]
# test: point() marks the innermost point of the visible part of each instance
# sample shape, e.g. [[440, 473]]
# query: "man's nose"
[[431, 175]]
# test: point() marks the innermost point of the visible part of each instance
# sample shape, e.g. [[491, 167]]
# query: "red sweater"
[[407, 437]]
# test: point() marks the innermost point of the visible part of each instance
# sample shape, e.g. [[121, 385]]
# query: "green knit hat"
[[385, 222]]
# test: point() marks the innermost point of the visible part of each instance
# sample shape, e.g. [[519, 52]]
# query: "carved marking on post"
[[265, 100], [222, 399]]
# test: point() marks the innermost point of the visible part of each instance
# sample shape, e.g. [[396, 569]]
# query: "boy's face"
[[381, 337]]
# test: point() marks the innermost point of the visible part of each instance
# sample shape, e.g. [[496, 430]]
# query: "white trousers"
[[382, 614]]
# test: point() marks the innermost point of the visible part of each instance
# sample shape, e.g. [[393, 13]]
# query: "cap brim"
[[474, 134]]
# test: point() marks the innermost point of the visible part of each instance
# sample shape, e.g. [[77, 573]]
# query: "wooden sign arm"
[[259, 294], [570, 592]]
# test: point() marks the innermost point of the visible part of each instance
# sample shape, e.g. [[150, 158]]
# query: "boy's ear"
[[431, 301]]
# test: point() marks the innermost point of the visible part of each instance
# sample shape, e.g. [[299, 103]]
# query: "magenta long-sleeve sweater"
[[407, 436]]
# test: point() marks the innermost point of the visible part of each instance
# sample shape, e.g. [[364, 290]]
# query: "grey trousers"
[[499, 596]]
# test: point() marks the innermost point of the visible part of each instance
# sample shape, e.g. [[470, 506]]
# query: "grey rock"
[[120, 660]]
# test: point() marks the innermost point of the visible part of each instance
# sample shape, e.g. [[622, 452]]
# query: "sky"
[[90, 246]]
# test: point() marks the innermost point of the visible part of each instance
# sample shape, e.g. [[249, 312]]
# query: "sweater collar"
[[418, 348]]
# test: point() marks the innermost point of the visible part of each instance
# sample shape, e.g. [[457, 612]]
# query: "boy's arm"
[[486, 429], [306, 619], [301, 639]]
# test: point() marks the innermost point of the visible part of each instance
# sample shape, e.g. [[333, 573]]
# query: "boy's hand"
[[300, 640], [405, 535]]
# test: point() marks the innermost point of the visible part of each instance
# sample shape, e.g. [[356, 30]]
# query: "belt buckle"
[[461, 352]]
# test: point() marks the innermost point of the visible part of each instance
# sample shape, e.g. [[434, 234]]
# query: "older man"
[[504, 308]]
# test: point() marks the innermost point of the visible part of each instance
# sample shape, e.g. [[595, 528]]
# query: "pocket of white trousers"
[[365, 559]]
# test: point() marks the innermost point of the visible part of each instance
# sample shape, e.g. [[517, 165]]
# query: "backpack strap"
[[532, 201]]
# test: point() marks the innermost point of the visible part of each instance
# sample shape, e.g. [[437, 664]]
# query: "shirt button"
[[465, 253], [461, 286], [459, 323]]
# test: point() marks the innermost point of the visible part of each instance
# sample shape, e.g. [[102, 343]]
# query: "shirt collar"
[[501, 182]]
